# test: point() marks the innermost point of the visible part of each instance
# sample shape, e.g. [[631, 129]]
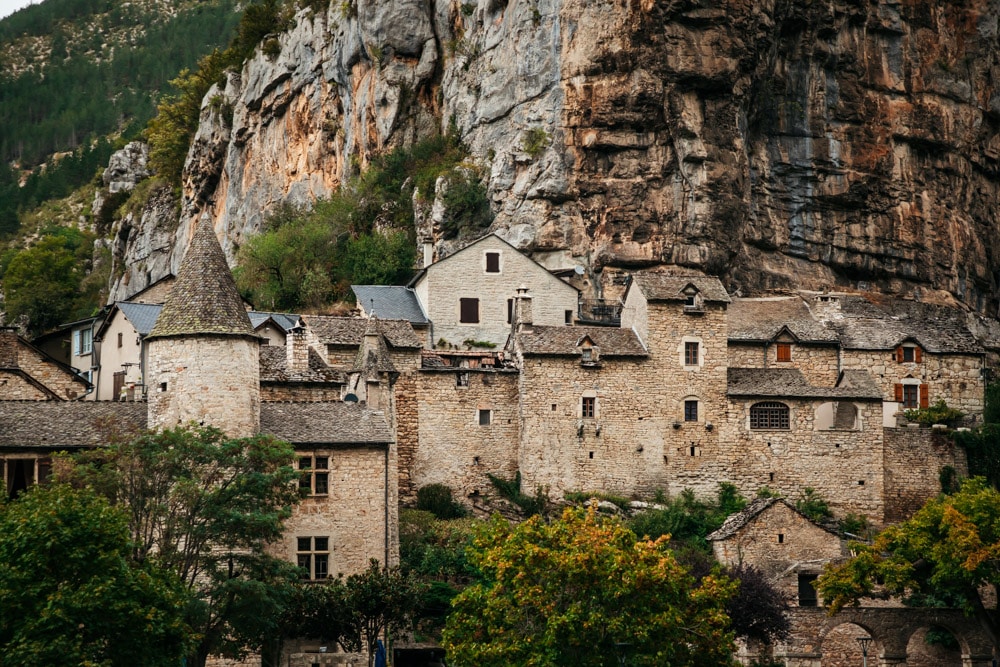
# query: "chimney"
[[8, 347], [428, 253], [522, 309], [296, 351]]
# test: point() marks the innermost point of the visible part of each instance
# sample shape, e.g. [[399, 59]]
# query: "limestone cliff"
[[777, 143]]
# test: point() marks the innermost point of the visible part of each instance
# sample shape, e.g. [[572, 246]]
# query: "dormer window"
[[587, 354], [909, 354], [693, 300]]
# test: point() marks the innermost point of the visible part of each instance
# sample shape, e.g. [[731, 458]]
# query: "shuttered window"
[[468, 311], [492, 262]]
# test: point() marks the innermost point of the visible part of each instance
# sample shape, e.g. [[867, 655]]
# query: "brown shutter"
[[899, 354], [924, 399], [918, 354], [899, 393]]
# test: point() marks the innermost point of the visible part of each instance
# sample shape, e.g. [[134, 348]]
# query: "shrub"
[[939, 413], [813, 505], [535, 141], [437, 499], [510, 489]]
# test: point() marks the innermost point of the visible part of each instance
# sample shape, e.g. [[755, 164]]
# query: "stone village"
[[488, 364]]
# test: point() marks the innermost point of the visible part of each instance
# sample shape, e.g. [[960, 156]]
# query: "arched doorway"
[[933, 646], [840, 647]]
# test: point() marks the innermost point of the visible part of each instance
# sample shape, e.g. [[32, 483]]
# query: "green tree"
[[568, 592], [381, 601], [41, 282], [205, 507], [72, 595], [940, 556]]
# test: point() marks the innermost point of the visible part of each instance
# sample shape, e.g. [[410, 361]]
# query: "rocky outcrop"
[[775, 143]]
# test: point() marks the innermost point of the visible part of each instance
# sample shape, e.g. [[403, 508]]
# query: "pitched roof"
[[287, 321], [373, 355], [351, 330], [612, 341], [332, 423], [390, 302], [666, 287], [143, 316], [734, 522], [204, 299], [791, 383], [871, 322], [274, 368], [760, 320], [58, 424]]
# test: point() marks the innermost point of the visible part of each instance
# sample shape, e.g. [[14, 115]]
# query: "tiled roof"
[[664, 287], [333, 423], [351, 330], [57, 424], [390, 302], [881, 323], [204, 299], [734, 522], [612, 341], [754, 320], [790, 383], [286, 321], [274, 368], [142, 315], [373, 356]]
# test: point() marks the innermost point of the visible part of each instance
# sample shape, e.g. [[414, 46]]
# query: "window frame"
[[588, 407], [914, 389], [783, 352], [83, 344], [309, 477], [691, 410], [315, 553], [463, 303], [689, 347], [770, 416], [484, 416]]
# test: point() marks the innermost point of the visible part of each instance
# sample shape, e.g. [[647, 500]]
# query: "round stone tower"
[[203, 364]]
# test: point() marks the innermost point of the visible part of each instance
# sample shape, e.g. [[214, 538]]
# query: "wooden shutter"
[[918, 354], [468, 311], [899, 354], [924, 396], [899, 393]]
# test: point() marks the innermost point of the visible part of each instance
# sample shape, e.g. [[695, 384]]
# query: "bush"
[[939, 413], [813, 505], [535, 141], [510, 489], [437, 499]]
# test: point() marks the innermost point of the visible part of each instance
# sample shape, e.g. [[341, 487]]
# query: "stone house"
[[394, 302], [29, 374], [469, 295]]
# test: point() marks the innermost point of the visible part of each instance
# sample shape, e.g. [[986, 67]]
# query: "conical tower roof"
[[204, 299]]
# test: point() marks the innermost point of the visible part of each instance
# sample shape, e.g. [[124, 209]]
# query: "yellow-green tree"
[[580, 591], [941, 556]]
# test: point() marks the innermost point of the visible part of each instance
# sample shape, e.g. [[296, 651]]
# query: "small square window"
[[569, 317], [781, 538], [784, 351], [485, 417], [909, 353], [587, 354], [462, 379], [588, 407], [492, 262], [304, 543], [690, 411], [691, 354]]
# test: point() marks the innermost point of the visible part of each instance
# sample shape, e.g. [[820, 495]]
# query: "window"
[[587, 354], [314, 475], [569, 317], [784, 351], [119, 339], [690, 354], [510, 310], [462, 379], [21, 474], [689, 301], [83, 341], [910, 396], [468, 311], [690, 411], [313, 556], [807, 590], [588, 408], [909, 354], [485, 417], [769, 415], [492, 262]]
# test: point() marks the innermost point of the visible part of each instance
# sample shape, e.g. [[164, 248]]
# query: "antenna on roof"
[[371, 309]]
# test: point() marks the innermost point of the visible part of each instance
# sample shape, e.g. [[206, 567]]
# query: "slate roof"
[[351, 331], [761, 320], [274, 368], [664, 287], [61, 424], [390, 302], [873, 323], [373, 355], [612, 341], [332, 423], [286, 321], [790, 383], [734, 522], [143, 316], [204, 299]]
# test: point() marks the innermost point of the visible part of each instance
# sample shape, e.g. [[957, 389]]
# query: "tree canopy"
[[578, 590], [204, 507], [940, 556], [72, 595]]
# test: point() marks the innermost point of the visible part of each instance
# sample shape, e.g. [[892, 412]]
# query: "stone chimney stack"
[[296, 351], [522, 309], [826, 306]]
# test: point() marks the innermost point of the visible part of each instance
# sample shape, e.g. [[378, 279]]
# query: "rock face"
[[775, 143]]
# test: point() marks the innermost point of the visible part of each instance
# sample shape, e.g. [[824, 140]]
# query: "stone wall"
[[353, 515], [845, 467], [15, 387], [818, 363], [215, 380], [56, 379], [302, 393], [913, 461], [455, 449]]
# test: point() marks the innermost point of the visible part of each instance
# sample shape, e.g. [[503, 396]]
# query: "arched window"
[[769, 415]]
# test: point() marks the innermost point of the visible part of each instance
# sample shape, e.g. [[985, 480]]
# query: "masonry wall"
[[782, 543], [114, 358], [353, 515], [843, 466], [15, 387], [914, 458], [275, 393], [211, 380], [818, 363], [463, 275], [14, 354], [454, 448]]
